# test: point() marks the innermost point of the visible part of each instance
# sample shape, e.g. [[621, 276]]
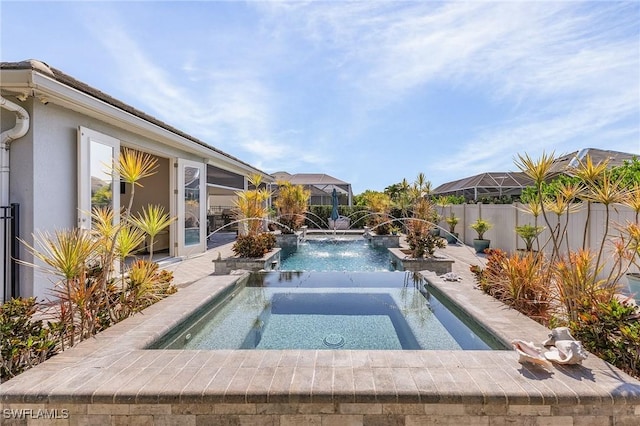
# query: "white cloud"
[[561, 73], [570, 71]]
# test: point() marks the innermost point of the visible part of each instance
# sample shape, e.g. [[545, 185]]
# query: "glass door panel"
[[96, 181], [191, 207]]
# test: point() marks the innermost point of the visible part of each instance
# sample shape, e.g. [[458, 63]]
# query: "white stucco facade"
[[43, 164]]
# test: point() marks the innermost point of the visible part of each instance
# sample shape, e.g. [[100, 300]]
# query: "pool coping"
[[114, 368]]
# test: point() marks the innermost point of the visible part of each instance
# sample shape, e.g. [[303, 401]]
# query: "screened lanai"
[[321, 186], [499, 184], [490, 184]]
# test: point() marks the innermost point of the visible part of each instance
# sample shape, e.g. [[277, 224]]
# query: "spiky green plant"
[[577, 284], [67, 254], [590, 174], [291, 204], [251, 204], [379, 204], [152, 220], [89, 292], [539, 170], [481, 226], [133, 166], [529, 233], [607, 191]]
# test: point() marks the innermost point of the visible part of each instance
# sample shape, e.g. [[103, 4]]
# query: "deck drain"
[[333, 340]]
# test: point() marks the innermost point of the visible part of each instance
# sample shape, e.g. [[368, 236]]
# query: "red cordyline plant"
[[518, 281], [96, 288], [571, 281]]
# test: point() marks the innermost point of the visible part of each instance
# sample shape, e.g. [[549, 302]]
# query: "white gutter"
[[18, 131], [69, 97]]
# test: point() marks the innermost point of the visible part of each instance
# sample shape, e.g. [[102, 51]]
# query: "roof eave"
[[32, 83]]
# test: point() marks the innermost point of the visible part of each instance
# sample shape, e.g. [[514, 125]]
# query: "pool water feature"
[[335, 254], [329, 310]]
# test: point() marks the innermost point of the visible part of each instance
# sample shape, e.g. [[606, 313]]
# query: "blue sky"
[[368, 92]]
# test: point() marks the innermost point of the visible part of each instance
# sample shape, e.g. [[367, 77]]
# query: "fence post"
[[9, 250], [15, 247]]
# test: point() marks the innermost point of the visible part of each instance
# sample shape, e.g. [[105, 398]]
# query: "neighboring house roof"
[[512, 183], [321, 181], [48, 71], [489, 182], [565, 163], [281, 176], [314, 179]]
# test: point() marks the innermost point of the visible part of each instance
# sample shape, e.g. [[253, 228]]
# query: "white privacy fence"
[[505, 218]]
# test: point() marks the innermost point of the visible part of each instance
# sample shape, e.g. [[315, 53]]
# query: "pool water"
[[335, 254], [330, 310]]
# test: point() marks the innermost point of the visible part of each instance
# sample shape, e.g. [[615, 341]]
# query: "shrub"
[[291, 205], [452, 220], [144, 286], [24, 342], [577, 284], [91, 292], [529, 233], [250, 205], [611, 330], [518, 281], [422, 242], [493, 268], [583, 299], [254, 245], [380, 204]]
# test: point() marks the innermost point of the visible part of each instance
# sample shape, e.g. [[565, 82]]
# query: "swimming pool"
[[329, 310], [335, 254]]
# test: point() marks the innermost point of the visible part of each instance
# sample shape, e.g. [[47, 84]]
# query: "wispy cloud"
[[561, 74], [567, 70], [230, 106]]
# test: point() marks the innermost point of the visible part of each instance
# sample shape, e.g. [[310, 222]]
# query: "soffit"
[[70, 93]]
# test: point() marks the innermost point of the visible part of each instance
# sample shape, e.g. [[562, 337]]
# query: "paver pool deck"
[[112, 379]]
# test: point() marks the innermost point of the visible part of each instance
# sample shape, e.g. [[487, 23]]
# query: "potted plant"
[[481, 226], [529, 233], [632, 231], [452, 220], [435, 219]]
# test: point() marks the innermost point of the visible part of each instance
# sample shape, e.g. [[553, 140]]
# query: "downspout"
[[18, 131]]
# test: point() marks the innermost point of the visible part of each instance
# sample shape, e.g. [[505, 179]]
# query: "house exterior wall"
[[21, 189], [44, 179]]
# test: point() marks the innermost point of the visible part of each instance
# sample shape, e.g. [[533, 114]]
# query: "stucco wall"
[[21, 188], [44, 176]]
